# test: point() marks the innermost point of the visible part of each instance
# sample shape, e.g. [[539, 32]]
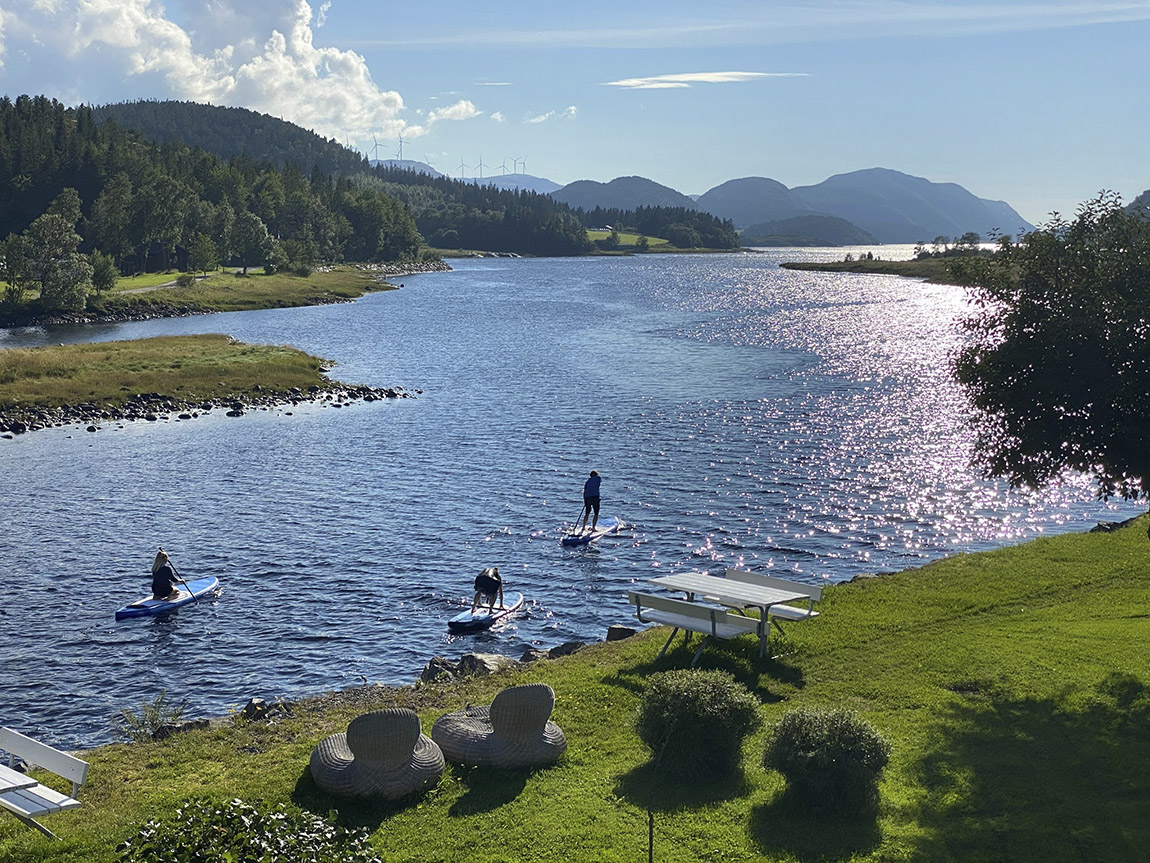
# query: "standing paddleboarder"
[[591, 500]]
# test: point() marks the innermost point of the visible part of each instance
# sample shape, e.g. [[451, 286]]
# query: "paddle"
[[184, 583], [575, 527]]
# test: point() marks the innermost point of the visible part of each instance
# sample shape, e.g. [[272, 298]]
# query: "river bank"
[[977, 669], [160, 379], [231, 291]]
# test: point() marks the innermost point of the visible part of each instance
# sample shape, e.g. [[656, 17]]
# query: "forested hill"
[[461, 214], [232, 132], [71, 188]]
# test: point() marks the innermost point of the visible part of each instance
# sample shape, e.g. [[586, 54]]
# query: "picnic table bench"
[[690, 616], [25, 797]]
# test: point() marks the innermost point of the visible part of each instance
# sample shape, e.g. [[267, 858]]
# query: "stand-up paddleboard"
[[146, 606], [484, 618], [583, 537]]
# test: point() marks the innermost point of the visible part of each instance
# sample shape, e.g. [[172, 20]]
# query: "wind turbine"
[[462, 168], [503, 167], [481, 166], [374, 147], [524, 161], [427, 160], [399, 155]]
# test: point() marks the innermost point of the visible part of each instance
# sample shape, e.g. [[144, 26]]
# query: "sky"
[[1041, 104]]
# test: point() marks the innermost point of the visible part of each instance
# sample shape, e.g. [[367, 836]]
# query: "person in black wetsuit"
[[488, 585], [163, 577], [591, 499]]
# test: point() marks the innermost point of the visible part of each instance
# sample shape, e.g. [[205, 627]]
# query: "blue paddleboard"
[[483, 618], [147, 605]]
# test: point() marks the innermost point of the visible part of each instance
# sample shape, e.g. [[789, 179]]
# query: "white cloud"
[[568, 113], [461, 110], [211, 56], [492, 83], [498, 117], [686, 79], [321, 15]]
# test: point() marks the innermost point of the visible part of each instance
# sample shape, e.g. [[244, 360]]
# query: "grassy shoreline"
[[1011, 684], [145, 378], [146, 297], [934, 270]]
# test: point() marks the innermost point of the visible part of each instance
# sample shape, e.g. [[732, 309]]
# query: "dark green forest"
[[84, 198], [78, 197]]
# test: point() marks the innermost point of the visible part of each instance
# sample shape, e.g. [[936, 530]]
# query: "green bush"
[[831, 759], [694, 722], [185, 280], [237, 832]]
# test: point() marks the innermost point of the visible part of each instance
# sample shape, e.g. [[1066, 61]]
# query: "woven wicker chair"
[[382, 754], [513, 732]]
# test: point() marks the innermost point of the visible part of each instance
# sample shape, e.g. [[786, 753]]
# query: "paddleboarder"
[[591, 499], [488, 585], [163, 577]]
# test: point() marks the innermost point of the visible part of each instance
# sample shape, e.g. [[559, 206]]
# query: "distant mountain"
[[232, 132], [526, 182], [751, 200], [807, 230], [899, 208], [1142, 201], [407, 165], [622, 193]]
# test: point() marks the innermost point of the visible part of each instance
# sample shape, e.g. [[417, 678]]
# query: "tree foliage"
[[1057, 366]]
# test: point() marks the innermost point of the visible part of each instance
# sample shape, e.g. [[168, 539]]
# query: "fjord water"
[[802, 423]]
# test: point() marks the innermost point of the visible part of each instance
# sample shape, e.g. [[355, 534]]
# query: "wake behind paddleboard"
[[484, 618], [587, 536], [146, 606]]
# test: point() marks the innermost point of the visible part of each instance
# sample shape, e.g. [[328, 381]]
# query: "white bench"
[[690, 617], [28, 804], [786, 612]]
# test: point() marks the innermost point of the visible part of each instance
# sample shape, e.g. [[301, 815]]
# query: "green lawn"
[[1011, 685], [625, 239]]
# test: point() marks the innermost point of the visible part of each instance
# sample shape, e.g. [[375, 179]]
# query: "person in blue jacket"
[[591, 499]]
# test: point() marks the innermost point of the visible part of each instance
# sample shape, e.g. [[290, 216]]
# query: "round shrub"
[[241, 833], [694, 722], [830, 758], [185, 280]]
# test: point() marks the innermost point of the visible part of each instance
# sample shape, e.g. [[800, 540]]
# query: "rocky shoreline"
[[154, 407], [370, 696]]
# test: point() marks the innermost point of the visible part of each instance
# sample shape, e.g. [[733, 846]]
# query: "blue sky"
[[1040, 104]]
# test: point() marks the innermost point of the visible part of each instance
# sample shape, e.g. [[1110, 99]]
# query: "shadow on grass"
[[366, 812], [787, 826], [1039, 779], [487, 789], [739, 658], [645, 787]]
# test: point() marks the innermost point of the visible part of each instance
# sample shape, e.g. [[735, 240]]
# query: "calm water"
[[739, 413]]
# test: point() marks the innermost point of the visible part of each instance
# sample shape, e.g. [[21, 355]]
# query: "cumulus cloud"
[[498, 117], [567, 113], [461, 110], [279, 71], [686, 79]]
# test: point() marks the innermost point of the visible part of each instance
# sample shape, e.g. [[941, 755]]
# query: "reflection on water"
[[740, 414]]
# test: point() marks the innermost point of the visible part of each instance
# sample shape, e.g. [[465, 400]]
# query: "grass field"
[[625, 239], [1011, 685], [190, 367]]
